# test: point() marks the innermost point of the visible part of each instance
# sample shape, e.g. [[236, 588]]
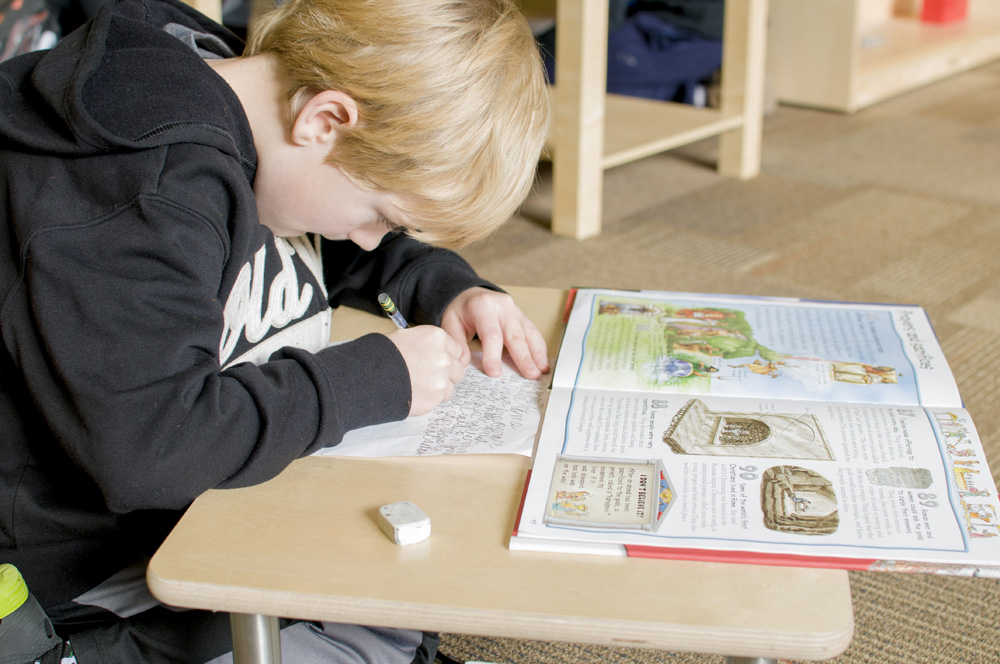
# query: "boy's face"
[[298, 191], [297, 196]]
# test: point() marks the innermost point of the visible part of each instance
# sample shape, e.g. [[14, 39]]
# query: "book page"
[[785, 349], [485, 415], [805, 478]]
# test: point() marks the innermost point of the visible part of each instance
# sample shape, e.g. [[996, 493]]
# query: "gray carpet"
[[896, 203]]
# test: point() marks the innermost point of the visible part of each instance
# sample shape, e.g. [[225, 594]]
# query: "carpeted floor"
[[896, 203]]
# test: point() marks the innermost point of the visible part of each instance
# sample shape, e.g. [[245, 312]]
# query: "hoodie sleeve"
[[422, 280]]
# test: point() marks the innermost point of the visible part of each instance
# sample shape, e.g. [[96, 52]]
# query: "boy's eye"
[[389, 224]]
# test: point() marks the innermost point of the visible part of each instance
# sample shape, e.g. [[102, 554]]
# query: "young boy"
[[179, 222]]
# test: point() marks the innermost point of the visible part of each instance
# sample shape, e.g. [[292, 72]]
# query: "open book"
[[758, 430]]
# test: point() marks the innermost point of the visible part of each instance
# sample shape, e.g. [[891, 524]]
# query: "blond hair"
[[451, 99]]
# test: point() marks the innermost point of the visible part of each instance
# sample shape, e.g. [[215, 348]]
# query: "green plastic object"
[[13, 590], [26, 633]]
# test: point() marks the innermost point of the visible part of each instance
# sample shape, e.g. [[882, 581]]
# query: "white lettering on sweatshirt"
[[246, 311]]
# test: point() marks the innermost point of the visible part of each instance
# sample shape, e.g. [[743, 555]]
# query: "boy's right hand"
[[434, 361]]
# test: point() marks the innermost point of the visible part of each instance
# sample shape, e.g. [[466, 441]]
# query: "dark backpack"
[[651, 55]]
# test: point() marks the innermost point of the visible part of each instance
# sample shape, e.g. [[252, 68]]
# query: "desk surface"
[[307, 544]]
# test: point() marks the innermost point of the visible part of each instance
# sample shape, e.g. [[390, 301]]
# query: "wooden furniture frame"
[[593, 131], [307, 545], [210, 8], [845, 55]]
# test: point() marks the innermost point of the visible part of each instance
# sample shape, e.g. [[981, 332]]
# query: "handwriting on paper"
[[485, 415]]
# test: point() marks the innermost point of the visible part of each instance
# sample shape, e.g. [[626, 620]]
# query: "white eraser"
[[404, 523]]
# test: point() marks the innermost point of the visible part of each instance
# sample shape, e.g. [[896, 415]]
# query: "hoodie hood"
[[113, 84]]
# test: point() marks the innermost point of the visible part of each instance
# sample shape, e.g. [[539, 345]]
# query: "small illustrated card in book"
[[761, 430]]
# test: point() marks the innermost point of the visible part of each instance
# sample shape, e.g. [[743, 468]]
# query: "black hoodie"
[[157, 340]]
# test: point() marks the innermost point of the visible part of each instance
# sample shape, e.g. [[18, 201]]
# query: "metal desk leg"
[[255, 639], [751, 660]]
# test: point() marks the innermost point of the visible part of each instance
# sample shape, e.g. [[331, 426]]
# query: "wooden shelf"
[[593, 131], [637, 128], [822, 53]]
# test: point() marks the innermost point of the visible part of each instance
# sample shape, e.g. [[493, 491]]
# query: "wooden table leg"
[[210, 8], [255, 639], [578, 117], [742, 86]]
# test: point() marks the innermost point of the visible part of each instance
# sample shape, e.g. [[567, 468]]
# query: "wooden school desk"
[[307, 545]]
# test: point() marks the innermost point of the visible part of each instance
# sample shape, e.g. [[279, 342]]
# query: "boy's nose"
[[369, 236]]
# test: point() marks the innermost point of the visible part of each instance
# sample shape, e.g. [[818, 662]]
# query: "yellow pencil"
[[391, 311]]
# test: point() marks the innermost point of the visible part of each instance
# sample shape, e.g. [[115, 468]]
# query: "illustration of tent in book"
[[697, 430], [619, 494]]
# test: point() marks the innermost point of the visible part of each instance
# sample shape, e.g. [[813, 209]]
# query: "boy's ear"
[[322, 116]]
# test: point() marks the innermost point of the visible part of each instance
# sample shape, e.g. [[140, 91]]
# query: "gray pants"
[[120, 622], [323, 643]]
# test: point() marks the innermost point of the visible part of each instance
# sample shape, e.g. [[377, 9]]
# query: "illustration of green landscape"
[[687, 348]]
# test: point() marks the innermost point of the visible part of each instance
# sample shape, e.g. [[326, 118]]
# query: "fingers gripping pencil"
[[391, 311]]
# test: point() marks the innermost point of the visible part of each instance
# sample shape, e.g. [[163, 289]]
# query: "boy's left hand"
[[498, 322]]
